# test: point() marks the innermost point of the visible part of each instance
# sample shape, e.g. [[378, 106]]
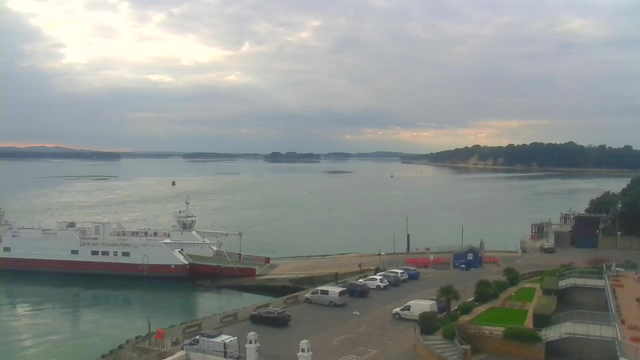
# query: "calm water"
[[282, 209]]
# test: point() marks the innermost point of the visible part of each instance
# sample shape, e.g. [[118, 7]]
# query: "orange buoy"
[[160, 334]]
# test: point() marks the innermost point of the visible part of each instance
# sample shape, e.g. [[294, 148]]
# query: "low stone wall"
[[499, 346]]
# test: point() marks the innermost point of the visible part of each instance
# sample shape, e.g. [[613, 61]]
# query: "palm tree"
[[448, 294]]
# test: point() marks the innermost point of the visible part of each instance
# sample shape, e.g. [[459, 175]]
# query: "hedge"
[[501, 285], [543, 311], [465, 307], [449, 331], [522, 335]]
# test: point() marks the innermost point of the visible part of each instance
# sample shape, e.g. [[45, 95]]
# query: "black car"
[[357, 289], [271, 316], [547, 248]]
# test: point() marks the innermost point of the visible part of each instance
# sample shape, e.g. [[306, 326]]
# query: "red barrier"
[[491, 260]]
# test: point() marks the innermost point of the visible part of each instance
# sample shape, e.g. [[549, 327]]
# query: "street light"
[[618, 206], [394, 243]]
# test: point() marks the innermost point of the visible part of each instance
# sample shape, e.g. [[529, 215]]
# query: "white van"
[[328, 295], [214, 343], [413, 308]]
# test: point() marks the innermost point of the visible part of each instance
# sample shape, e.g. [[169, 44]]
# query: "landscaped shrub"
[[543, 311], [449, 331], [428, 322], [465, 307], [485, 291], [522, 334], [501, 285], [453, 316], [512, 275]]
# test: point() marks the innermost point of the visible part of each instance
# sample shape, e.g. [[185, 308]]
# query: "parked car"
[[413, 308], [391, 277], [376, 282], [327, 295], [442, 307], [412, 273], [401, 273], [271, 316], [548, 248], [357, 289]]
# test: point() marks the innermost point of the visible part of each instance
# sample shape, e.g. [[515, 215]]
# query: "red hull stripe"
[[93, 267]]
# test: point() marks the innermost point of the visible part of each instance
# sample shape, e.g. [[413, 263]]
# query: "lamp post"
[[394, 243], [618, 205]]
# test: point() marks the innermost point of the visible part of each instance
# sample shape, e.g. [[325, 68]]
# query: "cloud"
[[321, 76]]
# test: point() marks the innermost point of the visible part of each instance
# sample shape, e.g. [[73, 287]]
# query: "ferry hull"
[[90, 267]]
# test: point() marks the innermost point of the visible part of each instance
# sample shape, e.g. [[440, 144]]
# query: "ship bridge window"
[[115, 253], [6, 249], [75, 252], [95, 252], [126, 254], [104, 253]]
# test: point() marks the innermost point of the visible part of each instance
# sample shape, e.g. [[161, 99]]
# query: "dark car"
[[270, 316], [547, 248], [392, 278], [413, 273], [357, 289], [441, 306]]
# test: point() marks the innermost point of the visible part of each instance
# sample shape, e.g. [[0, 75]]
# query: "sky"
[[318, 76]]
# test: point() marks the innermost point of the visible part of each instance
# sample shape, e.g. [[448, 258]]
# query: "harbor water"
[[281, 209]]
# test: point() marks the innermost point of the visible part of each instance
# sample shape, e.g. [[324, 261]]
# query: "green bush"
[[449, 331], [428, 322], [522, 334], [485, 291], [512, 275], [465, 307], [501, 285], [453, 316]]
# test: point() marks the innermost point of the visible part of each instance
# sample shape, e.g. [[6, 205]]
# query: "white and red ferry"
[[110, 248]]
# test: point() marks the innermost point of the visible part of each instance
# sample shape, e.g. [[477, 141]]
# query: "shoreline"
[[521, 168]]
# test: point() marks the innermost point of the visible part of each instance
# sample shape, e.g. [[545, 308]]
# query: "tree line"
[[537, 154]]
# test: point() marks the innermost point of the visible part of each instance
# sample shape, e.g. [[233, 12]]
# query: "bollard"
[[305, 350], [252, 346]]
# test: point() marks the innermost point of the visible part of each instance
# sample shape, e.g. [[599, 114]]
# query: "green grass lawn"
[[534, 281], [523, 294], [496, 316]]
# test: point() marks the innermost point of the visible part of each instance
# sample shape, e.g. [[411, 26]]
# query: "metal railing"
[[626, 350], [580, 316], [578, 329]]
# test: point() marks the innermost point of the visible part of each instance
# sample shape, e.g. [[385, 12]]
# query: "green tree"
[[605, 204], [512, 275], [448, 294], [630, 207], [485, 291]]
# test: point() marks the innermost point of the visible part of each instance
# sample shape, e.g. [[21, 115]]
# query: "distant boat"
[[392, 175]]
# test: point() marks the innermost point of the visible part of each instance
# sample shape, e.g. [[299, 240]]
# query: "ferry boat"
[[110, 248]]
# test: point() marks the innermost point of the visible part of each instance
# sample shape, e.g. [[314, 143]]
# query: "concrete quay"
[[364, 328]]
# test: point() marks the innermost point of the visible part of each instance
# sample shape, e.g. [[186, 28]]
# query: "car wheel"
[[332, 304], [397, 316], [378, 287], [307, 300]]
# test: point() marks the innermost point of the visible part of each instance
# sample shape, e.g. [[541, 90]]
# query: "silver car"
[[328, 295]]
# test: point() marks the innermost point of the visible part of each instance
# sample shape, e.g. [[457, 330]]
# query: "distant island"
[[535, 155], [214, 155], [292, 157], [55, 152], [381, 155]]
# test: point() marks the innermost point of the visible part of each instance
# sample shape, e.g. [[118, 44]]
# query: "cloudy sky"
[[348, 75]]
